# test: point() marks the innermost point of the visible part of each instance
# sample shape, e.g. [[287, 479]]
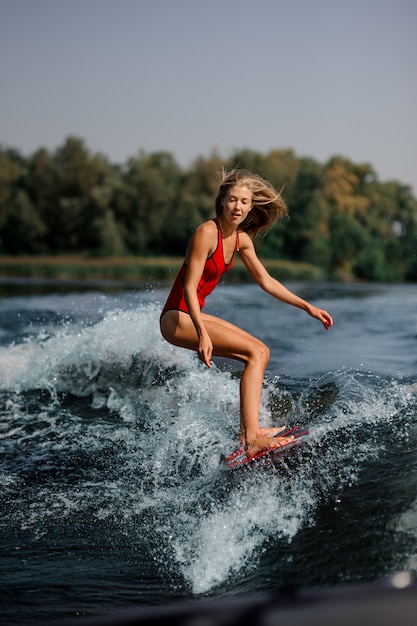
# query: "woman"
[[246, 205]]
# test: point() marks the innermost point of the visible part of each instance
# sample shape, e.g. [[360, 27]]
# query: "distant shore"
[[78, 267]]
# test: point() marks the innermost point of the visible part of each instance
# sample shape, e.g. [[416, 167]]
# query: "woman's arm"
[[273, 286], [201, 246]]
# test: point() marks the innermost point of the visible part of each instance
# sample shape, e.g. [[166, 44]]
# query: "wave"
[[110, 432]]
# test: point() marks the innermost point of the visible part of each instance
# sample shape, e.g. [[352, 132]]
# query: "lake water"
[[113, 490]]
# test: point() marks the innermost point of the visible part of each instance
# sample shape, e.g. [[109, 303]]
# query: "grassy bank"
[[134, 268]]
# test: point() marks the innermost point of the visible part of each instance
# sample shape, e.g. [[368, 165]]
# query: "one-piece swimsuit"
[[214, 268]]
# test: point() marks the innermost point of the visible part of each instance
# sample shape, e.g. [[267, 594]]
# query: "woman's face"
[[237, 203]]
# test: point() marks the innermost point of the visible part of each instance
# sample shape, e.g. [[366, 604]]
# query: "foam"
[[141, 456]]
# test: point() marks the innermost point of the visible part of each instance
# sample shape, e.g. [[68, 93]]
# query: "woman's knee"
[[260, 352]]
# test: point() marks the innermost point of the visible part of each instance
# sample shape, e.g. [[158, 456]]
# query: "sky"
[[321, 77]]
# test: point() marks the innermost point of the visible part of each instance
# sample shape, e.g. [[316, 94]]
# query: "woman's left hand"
[[323, 317]]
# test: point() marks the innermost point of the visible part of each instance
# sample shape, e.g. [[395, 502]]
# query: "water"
[[113, 492]]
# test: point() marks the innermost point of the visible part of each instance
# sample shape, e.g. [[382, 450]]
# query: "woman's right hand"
[[205, 349]]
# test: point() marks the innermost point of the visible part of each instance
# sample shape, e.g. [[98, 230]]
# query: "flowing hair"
[[267, 203]]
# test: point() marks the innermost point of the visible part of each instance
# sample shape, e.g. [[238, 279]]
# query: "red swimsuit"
[[214, 267]]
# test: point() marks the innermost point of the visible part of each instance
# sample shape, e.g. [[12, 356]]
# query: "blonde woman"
[[246, 205]]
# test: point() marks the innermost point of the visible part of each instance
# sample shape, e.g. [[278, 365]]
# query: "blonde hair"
[[267, 203]]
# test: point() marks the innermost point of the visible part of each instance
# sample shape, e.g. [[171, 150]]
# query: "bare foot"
[[271, 432], [265, 442]]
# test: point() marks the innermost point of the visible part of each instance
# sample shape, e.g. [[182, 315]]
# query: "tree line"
[[342, 218]]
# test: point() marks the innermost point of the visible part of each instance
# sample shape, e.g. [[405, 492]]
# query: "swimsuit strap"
[[216, 220]]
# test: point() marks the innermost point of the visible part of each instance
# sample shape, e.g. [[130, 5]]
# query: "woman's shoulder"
[[245, 241], [205, 236], [210, 224], [208, 228]]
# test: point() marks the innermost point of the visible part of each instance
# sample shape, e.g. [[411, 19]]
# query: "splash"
[[107, 427]]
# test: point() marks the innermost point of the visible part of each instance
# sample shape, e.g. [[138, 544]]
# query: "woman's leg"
[[231, 342]]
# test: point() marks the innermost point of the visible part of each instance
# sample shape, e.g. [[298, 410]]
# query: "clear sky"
[[322, 77]]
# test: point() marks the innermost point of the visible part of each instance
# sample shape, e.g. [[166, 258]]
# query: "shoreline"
[[78, 267]]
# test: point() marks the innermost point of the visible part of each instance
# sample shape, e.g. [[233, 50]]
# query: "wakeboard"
[[240, 458]]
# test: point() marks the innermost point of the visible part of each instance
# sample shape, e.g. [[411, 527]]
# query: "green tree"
[[63, 188], [307, 235], [11, 167], [343, 191], [195, 205], [148, 200], [108, 235], [22, 229], [341, 217]]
